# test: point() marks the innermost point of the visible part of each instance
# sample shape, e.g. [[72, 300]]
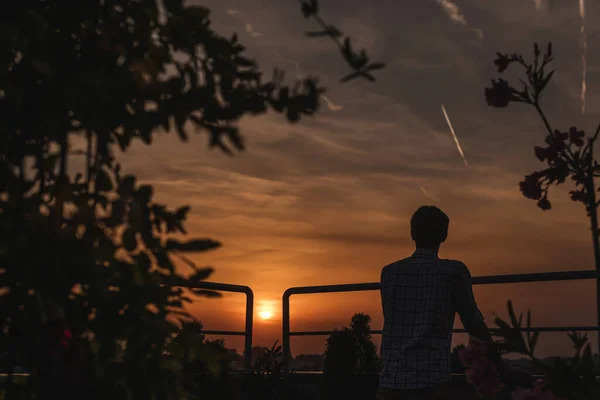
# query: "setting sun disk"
[[265, 314]]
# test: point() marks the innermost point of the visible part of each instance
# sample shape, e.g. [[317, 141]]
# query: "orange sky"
[[329, 200]]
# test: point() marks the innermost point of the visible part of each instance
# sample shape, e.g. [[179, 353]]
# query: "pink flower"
[[480, 371], [536, 393]]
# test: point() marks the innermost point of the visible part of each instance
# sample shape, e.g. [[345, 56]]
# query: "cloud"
[[232, 11], [328, 200], [454, 13], [331, 105], [251, 31], [539, 4]]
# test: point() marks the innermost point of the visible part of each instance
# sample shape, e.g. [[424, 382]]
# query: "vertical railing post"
[[285, 322], [249, 327]]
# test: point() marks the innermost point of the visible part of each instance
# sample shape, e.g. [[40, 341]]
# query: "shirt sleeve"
[[466, 306], [383, 290]]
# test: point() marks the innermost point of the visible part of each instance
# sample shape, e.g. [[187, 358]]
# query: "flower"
[[536, 393], [502, 62], [576, 136], [500, 94], [541, 153], [480, 371], [579, 195], [531, 187], [544, 203]]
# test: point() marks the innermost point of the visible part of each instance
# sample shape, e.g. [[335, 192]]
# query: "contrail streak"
[[454, 135], [428, 195], [583, 55]]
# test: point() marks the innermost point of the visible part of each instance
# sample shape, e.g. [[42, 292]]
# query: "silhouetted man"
[[420, 296]]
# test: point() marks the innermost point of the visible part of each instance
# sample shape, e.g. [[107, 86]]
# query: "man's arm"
[[468, 311], [475, 325], [383, 290]]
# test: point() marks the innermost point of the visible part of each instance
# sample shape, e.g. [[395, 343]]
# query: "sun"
[[265, 314]]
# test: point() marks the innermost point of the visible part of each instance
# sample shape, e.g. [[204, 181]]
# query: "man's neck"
[[427, 249], [422, 252]]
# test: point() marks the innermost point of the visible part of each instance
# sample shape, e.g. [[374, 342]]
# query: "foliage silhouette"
[[561, 377], [350, 356], [91, 296], [568, 154], [358, 61]]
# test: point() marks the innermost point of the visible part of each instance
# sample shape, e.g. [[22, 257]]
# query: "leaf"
[[375, 66], [103, 181], [206, 293], [173, 5], [182, 212], [310, 8], [129, 240], [198, 13], [533, 341], [144, 194], [192, 245], [351, 76], [126, 186], [511, 313], [317, 33], [180, 129], [201, 274], [545, 81]]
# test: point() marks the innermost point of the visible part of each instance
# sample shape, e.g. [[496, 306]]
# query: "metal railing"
[[247, 333], [477, 280]]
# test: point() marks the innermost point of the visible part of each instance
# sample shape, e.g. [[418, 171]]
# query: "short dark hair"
[[429, 226]]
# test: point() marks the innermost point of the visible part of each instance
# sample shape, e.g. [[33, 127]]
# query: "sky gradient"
[[329, 200]]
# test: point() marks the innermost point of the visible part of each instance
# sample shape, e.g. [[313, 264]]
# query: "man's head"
[[429, 227]]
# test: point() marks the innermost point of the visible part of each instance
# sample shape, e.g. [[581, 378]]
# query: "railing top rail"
[[493, 330], [224, 287], [477, 280]]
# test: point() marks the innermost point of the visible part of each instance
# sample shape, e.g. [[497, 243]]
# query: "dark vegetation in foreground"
[[94, 273]]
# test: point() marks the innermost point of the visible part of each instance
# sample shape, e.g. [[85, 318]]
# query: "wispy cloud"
[[454, 135], [455, 15], [331, 105], [251, 31], [294, 63]]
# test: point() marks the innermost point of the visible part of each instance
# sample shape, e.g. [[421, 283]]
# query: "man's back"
[[420, 296]]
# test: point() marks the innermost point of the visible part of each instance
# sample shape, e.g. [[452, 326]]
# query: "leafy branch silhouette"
[[573, 378], [92, 292], [358, 61], [567, 153]]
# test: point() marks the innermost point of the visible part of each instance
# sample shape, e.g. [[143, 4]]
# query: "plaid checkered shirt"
[[420, 296]]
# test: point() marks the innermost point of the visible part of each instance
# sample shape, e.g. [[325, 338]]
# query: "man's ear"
[[412, 234], [444, 236]]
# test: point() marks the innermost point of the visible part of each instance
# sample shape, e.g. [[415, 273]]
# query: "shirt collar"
[[421, 252]]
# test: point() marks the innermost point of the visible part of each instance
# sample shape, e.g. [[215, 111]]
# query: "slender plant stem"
[[566, 152], [325, 27], [593, 213]]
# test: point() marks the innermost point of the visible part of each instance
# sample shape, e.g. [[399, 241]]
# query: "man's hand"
[[515, 377]]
